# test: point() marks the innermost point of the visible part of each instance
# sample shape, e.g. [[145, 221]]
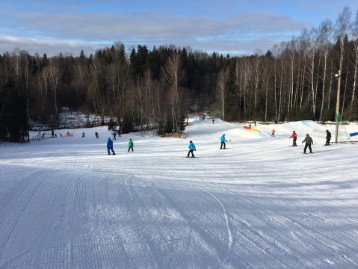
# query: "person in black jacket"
[[328, 137], [309, 142]]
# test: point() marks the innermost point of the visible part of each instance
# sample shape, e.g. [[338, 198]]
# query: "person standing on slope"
[[309, 142], [273, 132], [110, 146], [328, 137], [192, 148], [96, 134], [130, 144], [294, 138], [223, 140]]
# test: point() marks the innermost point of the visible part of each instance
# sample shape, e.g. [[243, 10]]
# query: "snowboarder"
[[328, 138], [110, 146], [294, 137], [309, 142], [223, 140], [192, 148], [273, 132], [130, 144], [96, 134]]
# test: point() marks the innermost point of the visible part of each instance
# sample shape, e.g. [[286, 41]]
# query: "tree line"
[[312, 76]]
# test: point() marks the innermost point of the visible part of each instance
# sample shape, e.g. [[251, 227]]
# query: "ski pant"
[[307, 146], [294, 142], [223, 145], [130, 148], [109, 151], [192, 153], [328, 140]]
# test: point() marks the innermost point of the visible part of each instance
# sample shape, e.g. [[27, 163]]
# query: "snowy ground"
[[64, 203]]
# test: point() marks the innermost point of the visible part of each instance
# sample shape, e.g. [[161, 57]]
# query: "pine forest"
[[312, 76]]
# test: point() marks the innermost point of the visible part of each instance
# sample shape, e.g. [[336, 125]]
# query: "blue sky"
[[224, 26]]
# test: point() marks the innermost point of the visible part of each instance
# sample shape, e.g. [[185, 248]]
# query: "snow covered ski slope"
[[64, 203]]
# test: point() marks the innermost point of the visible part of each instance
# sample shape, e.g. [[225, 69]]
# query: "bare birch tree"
[[324, 40], [354, 29], [171, 74]]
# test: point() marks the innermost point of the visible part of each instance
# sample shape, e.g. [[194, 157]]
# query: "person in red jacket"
[[294, 138]]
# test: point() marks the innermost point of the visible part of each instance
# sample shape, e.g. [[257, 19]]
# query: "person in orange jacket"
[[273, 132], [294, 138]]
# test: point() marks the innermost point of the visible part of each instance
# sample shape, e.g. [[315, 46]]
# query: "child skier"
[[294, 137], [223, 140], [309, 142], [328, 137], [110, 146], [192, 148], [130, 145]]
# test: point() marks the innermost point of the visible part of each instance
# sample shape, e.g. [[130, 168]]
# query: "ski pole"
[[314, 148]]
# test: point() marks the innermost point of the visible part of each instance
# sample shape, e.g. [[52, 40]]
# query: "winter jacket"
[[109, 143], [222, 139], [192, 146], [130, 143], [294, 136], [328, 135], [308, 140]]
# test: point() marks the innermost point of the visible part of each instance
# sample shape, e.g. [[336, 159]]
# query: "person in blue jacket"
[[110, 146], [191, 149], [223, 140]]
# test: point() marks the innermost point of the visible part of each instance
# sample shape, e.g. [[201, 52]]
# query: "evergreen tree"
[[231, 100]]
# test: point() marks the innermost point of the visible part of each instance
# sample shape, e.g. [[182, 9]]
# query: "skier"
[[114, 135], [294, 137], [328, 137], [273, 132], [309, 142], [223, 140], [110, 146], [83, 134], [96, 134], [130, 144], [213, 120], [192, 148]]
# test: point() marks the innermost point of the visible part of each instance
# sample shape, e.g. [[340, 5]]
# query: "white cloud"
[[41, 46], [73, 32]]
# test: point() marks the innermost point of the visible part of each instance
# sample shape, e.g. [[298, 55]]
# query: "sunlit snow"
[[65, 203]]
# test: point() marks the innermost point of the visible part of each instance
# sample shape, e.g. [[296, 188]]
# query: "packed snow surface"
[[65, 203]]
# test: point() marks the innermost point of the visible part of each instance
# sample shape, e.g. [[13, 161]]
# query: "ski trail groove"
[[227, 223]]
